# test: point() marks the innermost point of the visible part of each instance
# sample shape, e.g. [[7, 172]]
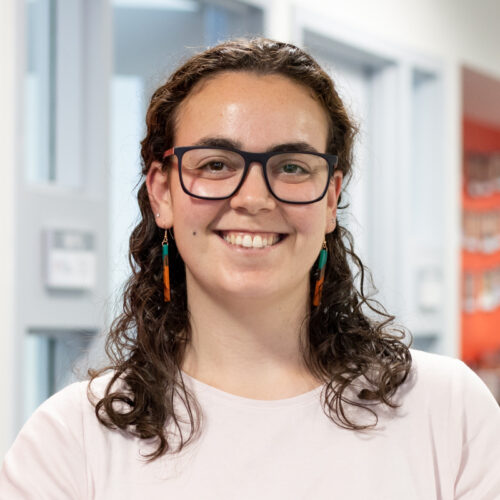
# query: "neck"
[[249, 347]]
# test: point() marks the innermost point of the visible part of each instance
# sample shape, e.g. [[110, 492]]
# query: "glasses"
[[215, 173]]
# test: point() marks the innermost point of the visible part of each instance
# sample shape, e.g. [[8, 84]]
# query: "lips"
[[246, 239]]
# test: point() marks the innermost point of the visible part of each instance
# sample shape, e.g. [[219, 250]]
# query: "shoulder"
[[63, 418], [437, 369], [74, 399], [463, 412], [436, 373], [443, 389], [50, 445], [60, 411], [66, 401], [435, 363], [53, 445], [456, 399], [65, 412]]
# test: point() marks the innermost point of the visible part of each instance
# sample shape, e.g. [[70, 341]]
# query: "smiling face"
[[251, 245]]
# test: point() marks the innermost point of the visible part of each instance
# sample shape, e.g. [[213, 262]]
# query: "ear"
[[332, 197], [160, 199]]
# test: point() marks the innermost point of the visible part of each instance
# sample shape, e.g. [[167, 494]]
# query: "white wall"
[[463, 30], [10, 149]]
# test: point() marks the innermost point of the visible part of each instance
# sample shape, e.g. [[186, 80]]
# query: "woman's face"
[[253, 113]]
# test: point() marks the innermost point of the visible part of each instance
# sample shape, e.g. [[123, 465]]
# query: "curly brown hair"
[[350, 336]]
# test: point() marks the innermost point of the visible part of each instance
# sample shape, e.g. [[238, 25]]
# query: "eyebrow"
[[223, 142]]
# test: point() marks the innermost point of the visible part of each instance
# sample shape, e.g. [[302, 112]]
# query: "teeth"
[[248, 242]]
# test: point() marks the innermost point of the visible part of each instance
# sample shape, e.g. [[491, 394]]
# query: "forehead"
[[252, 109]]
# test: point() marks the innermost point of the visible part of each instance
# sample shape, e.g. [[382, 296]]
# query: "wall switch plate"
[[70, 260]]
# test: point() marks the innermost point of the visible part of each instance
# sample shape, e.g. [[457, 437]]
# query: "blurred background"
[[421, 78]]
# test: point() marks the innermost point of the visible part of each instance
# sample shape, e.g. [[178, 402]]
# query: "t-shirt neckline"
[[202, 389]]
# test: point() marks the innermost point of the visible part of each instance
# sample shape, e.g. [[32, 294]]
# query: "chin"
[[247, 291]]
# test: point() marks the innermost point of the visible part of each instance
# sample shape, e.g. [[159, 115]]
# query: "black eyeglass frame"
[[249, 158]]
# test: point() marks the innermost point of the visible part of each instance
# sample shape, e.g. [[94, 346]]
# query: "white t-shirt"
[[442, 443]]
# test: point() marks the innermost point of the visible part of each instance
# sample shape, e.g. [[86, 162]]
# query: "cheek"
[[187, 233], [192, 220], [189, 224], [186, 223], [309, 221], [188, 213]]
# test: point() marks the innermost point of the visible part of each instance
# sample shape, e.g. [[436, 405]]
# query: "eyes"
[[293, 169], [217, 173], [215, 167], [224, 168]]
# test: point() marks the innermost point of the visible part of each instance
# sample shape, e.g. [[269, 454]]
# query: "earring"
[[320, 275], [166, 273]]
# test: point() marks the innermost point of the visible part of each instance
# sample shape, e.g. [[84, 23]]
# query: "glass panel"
[[352, 80], [54, 84], [53, 359], [39, 92]]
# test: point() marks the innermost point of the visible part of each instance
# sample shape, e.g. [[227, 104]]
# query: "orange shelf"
[[482, 204], [476, 262], [480, 329], [480, 334], [480, 137]]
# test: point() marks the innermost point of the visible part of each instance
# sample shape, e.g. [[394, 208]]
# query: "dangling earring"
[[166, 273], [320, 275]]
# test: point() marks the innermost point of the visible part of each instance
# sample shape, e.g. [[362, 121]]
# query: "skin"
[[247, 305]]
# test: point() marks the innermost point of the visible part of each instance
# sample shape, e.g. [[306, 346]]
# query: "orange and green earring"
[[166, 273], [320, 279]]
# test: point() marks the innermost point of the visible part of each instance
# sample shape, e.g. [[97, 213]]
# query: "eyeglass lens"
[[216, 173]]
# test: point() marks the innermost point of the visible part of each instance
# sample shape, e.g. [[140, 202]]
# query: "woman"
[[245, 364]]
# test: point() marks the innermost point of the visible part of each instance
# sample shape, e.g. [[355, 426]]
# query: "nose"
[[253, 195]]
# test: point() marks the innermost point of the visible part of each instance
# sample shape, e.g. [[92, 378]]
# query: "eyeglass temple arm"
[[168, 152]]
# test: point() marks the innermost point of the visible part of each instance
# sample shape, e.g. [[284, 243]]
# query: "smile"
[[251, 240]]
